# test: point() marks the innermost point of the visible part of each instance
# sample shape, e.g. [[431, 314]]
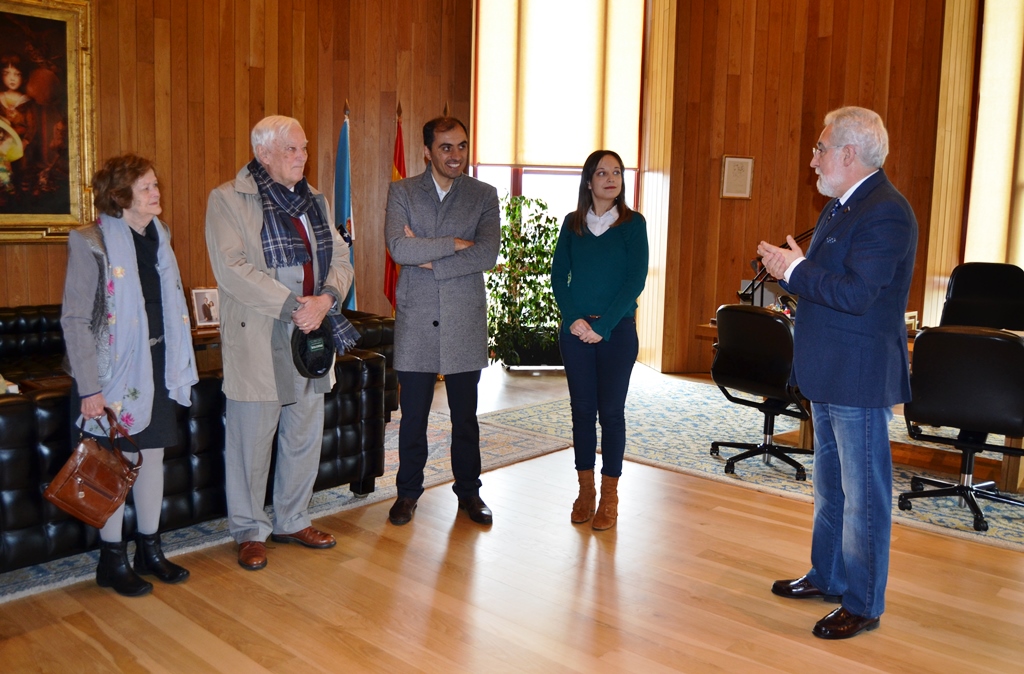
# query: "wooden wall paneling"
[[807, 58], [128, 112], [183, 83], [797, 151], [175, 191], [328, 126], [240, 112], [146, 83], [225, 95], [306, 100]]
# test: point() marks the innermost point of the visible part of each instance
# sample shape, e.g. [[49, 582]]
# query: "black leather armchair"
[[754, 355], [972, 380]]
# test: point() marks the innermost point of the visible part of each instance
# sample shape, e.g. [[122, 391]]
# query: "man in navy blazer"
[[850, 360]]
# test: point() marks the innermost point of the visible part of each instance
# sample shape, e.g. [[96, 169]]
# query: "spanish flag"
[[397, 173]]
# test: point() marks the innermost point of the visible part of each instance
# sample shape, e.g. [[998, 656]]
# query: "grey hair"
[[270, 129], [861, 127]]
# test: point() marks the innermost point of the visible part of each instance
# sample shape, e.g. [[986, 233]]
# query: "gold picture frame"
[[737, 177], [45, 192]]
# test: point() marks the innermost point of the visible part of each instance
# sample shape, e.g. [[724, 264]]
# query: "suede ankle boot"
[[114, 571], [583, 507], [608, 510], [149, 559]]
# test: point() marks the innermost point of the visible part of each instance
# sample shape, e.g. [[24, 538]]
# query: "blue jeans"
[[852, 505], [598, 378]]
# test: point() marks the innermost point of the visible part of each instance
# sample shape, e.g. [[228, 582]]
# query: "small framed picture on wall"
[[206, 307], [737, 177]]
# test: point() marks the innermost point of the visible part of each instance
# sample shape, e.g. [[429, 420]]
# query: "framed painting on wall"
[[46, 119]]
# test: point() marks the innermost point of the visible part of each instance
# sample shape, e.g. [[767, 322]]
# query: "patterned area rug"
[[499, 446], [672, 422]]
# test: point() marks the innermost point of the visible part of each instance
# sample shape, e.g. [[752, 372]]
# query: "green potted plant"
[[522, 317]]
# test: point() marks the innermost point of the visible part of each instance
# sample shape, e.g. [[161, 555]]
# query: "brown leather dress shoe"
[[252, 555], [476, 509], [401, 512], [841, 624], [801, 588], [310, 537]]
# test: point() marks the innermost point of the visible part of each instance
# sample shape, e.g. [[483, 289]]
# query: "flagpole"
[[343, 201]]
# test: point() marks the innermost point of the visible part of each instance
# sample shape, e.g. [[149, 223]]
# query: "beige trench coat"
[[255, 307]]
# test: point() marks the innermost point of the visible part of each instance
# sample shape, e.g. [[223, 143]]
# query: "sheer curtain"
[[556, 80]]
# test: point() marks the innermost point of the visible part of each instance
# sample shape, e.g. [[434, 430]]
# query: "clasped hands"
[[311, 312], [777, 259], [460, 244], [586, 334]]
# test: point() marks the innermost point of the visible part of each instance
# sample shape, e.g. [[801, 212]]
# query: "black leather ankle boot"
[[114, 571], [149, 559]]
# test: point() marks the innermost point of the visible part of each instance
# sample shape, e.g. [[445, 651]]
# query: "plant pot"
[[533, 356]]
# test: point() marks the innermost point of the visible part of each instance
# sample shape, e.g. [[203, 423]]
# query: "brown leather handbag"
[[95, 481]]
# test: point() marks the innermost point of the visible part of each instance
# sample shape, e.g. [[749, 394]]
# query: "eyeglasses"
[[820, 149]]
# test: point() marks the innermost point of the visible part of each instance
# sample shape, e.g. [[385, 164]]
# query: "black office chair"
[[985, 294], [754, 355], [970, 379]]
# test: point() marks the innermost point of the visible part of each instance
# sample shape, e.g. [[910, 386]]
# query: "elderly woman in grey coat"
[[129, 346]]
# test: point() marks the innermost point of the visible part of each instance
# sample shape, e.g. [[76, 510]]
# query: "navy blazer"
[[850, 339]]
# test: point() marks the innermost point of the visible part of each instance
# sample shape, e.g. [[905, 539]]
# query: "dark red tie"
[[307, 269]]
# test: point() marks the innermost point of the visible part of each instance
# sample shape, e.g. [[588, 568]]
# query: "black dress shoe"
[[841, 624], [801, 588], [401, 512], [476, 509]]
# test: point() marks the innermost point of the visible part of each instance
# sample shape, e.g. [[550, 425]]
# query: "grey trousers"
[[250, 435]]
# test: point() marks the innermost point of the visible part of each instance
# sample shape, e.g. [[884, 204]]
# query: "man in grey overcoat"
[[280, 267], [443, 228]]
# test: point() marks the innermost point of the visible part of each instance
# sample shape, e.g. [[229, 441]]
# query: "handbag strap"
[[117, 429]]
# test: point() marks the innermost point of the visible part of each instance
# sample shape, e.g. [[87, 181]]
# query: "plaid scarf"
[[282, 245]]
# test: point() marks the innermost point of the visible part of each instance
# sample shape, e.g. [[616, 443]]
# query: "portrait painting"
[[45, 160]]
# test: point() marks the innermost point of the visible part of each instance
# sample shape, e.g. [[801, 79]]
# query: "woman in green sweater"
[[599, 270]]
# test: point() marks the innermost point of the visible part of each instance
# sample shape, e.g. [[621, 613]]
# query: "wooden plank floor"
[[680, 585]]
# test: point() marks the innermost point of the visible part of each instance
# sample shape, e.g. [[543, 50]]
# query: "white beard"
[[826, 188]]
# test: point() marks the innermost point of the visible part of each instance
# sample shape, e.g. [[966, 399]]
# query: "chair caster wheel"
[[904, 503], [801, 475], [980, 524], [916, 484], [730, 467], [714, 451]]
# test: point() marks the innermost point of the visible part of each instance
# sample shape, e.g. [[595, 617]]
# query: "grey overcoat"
[[441, 313]]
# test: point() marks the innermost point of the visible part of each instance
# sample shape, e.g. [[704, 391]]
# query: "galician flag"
[[343, 203]]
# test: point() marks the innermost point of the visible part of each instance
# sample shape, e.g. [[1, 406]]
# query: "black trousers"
[[416, 396]]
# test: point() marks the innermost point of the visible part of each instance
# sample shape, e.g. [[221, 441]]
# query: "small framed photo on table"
[[737, 177], [206, 307]]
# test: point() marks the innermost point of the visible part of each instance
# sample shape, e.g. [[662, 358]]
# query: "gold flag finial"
[[446, 112], [399, 110], [348, 111]]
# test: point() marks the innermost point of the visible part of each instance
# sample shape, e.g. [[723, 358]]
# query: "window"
[[555, 81]]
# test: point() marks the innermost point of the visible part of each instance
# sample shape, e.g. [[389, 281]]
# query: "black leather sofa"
[[36, 436]]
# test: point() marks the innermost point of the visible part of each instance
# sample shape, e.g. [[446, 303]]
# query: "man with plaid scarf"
[[280, 267]]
